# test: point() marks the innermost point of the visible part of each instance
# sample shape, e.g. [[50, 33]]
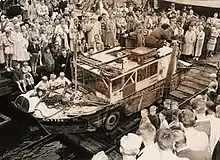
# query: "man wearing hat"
[[53, 82], [42, 86], [62, 81]]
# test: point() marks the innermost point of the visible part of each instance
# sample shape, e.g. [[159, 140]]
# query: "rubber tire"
[[115, 118]]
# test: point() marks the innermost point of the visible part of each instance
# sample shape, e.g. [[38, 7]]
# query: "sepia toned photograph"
[[110, 80]]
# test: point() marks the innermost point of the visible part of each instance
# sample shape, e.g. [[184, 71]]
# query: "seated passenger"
[[158, 37], [62, 80], [42, 86], [53, 82], [18, 77], [27, 77]]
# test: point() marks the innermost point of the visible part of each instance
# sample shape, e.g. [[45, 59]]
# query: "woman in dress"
[[212, 42], [25, 47], [61, 32], [190, 39], [199, 42], [111, 32], [18, 45]]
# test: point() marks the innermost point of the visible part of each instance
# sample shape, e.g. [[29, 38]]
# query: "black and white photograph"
[[110, 80]]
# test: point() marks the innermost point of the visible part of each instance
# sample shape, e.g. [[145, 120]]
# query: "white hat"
[[44, 78], [62, 74], [131, 143], [100, 156]]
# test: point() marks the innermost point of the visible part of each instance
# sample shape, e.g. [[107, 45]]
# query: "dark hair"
[[46, 48], [211, 106], [179, 137], [165, 138], [99, 18], [130, 14], [90, 48], [165, 26], [79, 28]]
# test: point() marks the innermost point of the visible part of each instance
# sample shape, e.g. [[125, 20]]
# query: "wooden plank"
[[188, 90], [194, 85], [196, 80], [179, 94]]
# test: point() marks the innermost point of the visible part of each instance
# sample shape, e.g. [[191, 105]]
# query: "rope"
[[50, 115]]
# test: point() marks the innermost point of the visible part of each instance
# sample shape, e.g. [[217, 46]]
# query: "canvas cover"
[[203, 3]]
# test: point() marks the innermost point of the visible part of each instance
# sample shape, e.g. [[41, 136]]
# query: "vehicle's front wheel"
[[112, 120]]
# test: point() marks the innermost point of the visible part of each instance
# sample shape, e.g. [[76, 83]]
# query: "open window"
[[96, 83], [146, 72]]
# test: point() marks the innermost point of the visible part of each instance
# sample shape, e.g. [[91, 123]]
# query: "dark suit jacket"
[[33, 48], [133, 28], [216, 152], [194, 155]]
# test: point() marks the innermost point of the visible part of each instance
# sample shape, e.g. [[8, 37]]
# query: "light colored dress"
[[18, 47], [213, 40], [25, 47], [190, 39], [61, 34], [199, 43], [110, 33], [93, 29]]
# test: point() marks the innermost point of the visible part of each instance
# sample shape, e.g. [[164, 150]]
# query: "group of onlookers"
[[51, 31], [171, 133]]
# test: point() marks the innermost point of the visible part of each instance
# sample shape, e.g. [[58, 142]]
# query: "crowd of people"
[[51, 31], [171, 133]]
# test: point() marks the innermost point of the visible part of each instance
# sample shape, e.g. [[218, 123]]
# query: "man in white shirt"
[[62, 80], [196, 140], [42, 86], [148, 133], [184, 151], [165, 141]]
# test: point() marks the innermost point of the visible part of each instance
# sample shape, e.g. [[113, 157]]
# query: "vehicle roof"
[[111, 60]]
